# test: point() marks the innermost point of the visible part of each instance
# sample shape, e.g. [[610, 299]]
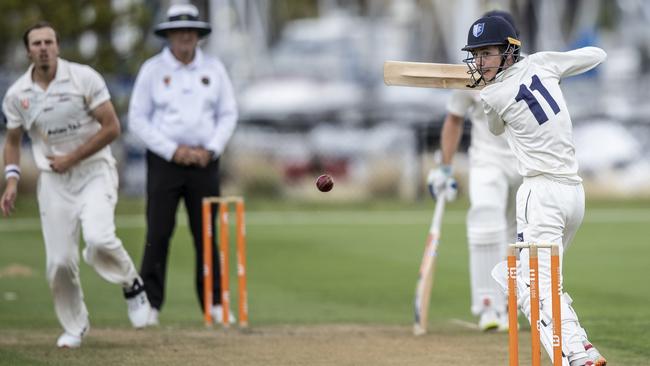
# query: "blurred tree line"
[[108, 35]]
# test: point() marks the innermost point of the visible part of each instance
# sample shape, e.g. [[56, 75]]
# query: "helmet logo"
[[477, 29]]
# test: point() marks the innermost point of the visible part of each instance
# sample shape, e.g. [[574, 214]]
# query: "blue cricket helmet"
[[491, 31], [505, 15]]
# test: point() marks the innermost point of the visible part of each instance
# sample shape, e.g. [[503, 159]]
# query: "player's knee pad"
[[500, 275], [484, 221], [486, 236]]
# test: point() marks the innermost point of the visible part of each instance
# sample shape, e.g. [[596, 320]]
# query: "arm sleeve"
[[10, 110], [459, 102], [141, 110], [573, 62], [496, 125], [225, 115], [95, 90]]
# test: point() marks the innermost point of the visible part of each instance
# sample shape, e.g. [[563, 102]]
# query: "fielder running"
[[493, 183], [66, 110], [523, 99]]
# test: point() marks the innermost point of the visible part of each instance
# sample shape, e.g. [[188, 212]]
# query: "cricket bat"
[[427, 268], [427, 75]]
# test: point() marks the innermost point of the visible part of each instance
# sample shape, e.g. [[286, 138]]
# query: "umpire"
[[184, 110]]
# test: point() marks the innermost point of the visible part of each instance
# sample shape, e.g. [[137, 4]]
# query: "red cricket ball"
[[324, 183]]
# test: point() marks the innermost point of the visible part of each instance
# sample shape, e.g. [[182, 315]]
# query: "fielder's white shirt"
[[526, 103], [175, 104], [58, 120], [485, 147]]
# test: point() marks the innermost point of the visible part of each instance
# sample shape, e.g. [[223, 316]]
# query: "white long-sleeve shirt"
[[175, 104], [526, 103], [485, 148]]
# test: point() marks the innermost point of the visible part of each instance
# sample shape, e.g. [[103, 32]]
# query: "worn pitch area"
[[449, 344]]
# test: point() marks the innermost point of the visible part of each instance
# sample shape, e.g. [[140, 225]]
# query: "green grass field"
[[330, 264]]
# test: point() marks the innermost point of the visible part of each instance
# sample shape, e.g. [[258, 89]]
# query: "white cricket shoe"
[[504, 323], [152, 321], [489, 320], [593, 354], [217, 315], [67, 340], [138, 304], [580, 360]]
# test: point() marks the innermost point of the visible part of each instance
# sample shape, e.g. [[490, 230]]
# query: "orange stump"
[[556, 306], [224, 258], [513, 337]]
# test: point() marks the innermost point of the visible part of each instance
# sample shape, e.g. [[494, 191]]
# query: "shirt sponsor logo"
[[24, 103], [167, 79], [205, 80], [61, 130]]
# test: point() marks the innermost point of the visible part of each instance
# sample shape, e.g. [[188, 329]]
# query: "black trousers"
[[167, 183]]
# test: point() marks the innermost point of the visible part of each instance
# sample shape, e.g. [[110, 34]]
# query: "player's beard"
[[43, 63]]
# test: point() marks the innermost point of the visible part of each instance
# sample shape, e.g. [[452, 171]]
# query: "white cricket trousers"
[[548, 212], [82, 199]]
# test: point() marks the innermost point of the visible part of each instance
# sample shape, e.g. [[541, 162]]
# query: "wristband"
[[12, 171]]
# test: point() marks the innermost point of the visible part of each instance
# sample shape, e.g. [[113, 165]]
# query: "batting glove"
[[440, 182]]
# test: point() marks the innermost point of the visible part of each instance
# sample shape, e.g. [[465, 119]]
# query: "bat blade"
[[423, 287], [427, 75], [427, 268]]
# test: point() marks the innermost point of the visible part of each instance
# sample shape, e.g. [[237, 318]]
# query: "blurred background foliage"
[[89, 31]]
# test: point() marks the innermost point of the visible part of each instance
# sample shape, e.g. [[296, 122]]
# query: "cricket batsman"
[[523, 100]]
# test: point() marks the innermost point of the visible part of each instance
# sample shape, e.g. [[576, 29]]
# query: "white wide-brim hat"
[[183, 16]]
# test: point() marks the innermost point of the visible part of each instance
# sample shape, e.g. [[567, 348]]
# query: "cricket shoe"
[[489, 320], [580, 359], [504, 322], [138, 305], [594, 355], [67, 340], [152, 321], [217, 315]]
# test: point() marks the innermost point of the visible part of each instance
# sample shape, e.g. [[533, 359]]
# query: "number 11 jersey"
[[526, 103]]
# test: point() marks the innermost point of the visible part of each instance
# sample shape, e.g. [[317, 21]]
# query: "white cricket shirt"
[[526, 103], [58, 120], [485, 147], [175, 104]]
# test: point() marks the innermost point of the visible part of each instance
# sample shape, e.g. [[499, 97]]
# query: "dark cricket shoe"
[[138, 304]]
